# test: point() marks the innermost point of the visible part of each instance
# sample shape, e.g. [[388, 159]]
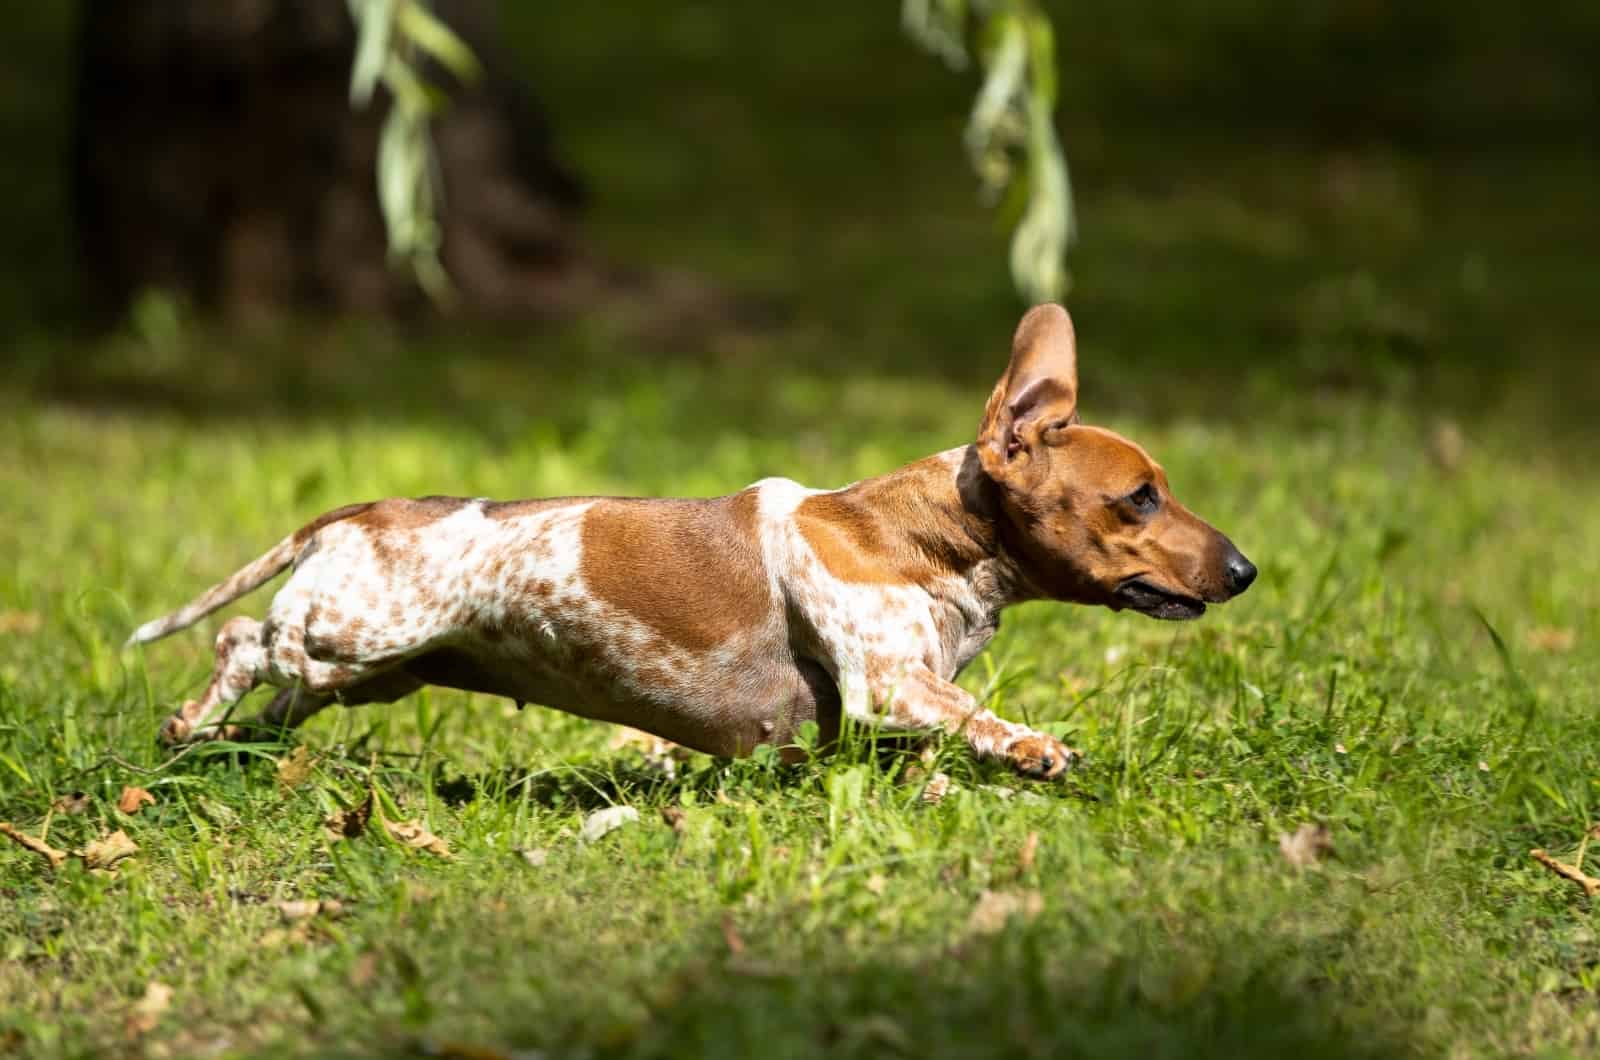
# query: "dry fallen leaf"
[[1029, 851], [364, 970], [38, 846], [72, 803], [145, 1013], [730, 935], [995, 908], [1447, 445], [603, 822], [676, 819], [133, 798], [349, 824], [1590, 885], [294, 768], [412, 834], [298, 932], [106, 851], [1551, 639], [306, 908], [938, 786], [20, 622], [1309, 844]]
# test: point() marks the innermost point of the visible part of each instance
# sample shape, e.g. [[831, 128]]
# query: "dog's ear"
[[1036, 397]]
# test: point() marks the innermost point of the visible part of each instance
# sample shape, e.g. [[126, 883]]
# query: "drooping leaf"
[[108, 850], [439, 41], [132, 799]]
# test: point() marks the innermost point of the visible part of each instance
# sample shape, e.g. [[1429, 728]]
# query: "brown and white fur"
[[729, 622]]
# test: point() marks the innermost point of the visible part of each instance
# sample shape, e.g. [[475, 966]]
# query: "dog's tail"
[[243, 581]]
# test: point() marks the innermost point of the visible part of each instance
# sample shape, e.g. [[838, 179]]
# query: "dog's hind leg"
[[241, 665], [292, 706]]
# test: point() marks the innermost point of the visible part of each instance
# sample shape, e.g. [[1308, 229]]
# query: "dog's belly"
[[727, 710]]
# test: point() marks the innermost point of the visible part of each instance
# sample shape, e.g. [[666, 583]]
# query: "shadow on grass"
[[1054, 986], [1035, 991]]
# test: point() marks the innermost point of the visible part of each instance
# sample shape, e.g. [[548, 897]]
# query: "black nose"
[[1241, 572]]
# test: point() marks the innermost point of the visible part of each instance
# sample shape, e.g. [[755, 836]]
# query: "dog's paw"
[[178, 731], [1038, 755], [175, 731]]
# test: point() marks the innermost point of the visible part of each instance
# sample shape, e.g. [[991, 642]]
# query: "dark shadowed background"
[[1341, 196]]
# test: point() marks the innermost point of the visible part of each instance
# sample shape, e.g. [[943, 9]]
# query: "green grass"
[[1353, 686], [1288, 329]]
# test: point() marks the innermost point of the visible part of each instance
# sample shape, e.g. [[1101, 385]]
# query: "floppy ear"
[[1037, 396]]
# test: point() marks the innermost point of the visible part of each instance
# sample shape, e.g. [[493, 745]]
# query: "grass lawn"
[[1375, 371]]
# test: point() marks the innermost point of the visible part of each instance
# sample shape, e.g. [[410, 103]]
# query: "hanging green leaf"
[[438, 40], [393, 36], [1012, 121], [374, 32]]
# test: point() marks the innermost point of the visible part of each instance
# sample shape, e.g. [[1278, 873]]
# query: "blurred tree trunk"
[[216, 154]]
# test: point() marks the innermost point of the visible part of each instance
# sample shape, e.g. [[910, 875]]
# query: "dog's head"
[[1089, 513]]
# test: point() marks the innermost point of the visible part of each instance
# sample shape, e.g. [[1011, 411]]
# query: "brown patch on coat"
[[408, 513], [690, 569], [306, 532], [513, 509], [907, 527]]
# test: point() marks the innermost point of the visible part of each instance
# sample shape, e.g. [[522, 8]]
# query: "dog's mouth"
[[1139, 595]]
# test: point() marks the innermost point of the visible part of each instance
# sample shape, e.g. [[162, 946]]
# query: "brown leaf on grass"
[[730, 935], [1029, 852], [295, 768], [676, 819], [349, 824], [298, 932], [133, 798], [364, 970], [996, 908], [306, 908], [1551, 639], [23, 622], [106, 851], [1447, 445], [38, 846], [72, 804], [1309, 845], [145, 1013], [412, 834], [1590, 885]]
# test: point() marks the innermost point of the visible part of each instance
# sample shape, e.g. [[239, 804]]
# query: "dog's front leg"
[[909, 696]]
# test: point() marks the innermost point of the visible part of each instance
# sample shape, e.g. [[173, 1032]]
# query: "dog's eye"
[[1145, 499]]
